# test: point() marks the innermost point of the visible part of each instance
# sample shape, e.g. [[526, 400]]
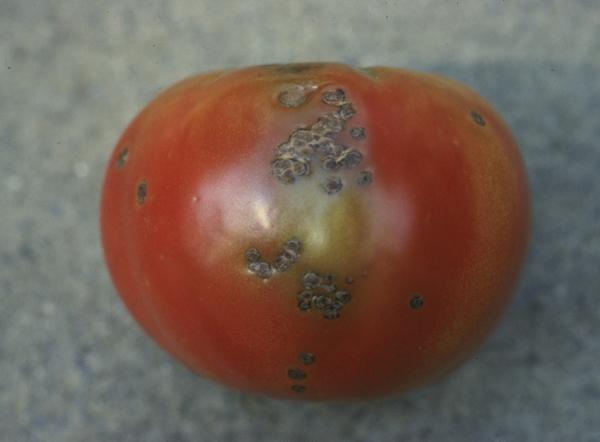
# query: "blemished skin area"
[[316, 231]]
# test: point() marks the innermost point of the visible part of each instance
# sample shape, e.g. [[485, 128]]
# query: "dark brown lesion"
[[142, 192], [365, 178], [122, 158], [307, 358], [477, 118], [296, 374], [416, 302]]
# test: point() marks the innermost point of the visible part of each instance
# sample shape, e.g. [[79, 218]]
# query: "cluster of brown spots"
[[283, 261], [299, 374], [294, 157], [321, 293]]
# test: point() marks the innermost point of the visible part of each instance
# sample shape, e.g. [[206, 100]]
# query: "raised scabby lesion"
[[283, 261], [318, 144]]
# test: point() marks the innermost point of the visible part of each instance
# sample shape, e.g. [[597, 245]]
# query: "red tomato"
[[316, 231]]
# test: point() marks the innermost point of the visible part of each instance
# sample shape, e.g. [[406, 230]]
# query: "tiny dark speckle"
[[416, 302], [477, 118], [142, 192], [122, 158], [307, 358], [365, 178], [358, 133], [298, 388], [296, 373]]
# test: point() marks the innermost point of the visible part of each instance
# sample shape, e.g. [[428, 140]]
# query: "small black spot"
[[305, 300], [142, 192], [307, 358], [311, 280], [343, 296], [122, 158], [252, 255], [477, 118], [296, 373], [364, 178], [416, 302], [332, 185], [298, 388], [334, 97], [358, 133]]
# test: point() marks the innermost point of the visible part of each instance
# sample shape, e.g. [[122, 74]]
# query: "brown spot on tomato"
[[358, 133], [296, 373], [477, 118], [416, 302], [307, 358], [296, 388], [364, 178], [122, 158], [142, 192]]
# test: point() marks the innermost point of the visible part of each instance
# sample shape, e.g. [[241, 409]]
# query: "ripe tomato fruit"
[[316, 231]]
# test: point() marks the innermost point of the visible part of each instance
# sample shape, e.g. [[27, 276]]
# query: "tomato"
[[316, 231]]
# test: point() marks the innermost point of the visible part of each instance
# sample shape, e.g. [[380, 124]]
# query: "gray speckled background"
[[75, 367]]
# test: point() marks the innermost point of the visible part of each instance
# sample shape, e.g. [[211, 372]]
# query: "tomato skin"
[[429, 251]]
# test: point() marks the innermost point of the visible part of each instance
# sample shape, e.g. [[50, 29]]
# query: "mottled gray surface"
[[73, 364]]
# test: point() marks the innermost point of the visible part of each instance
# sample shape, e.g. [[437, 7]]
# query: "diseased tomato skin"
[[432, 246]]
